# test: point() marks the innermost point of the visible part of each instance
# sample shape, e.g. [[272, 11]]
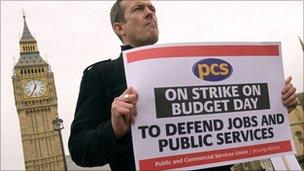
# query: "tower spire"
[[26, 34], [23, 14], [29, 53]]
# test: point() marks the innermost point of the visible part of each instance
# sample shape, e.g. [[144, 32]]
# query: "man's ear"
[[118, 28]]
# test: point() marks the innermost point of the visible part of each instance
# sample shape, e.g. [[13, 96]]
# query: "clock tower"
[[36, 103]]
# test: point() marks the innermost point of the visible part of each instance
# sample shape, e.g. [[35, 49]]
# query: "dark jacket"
[[92, 141]]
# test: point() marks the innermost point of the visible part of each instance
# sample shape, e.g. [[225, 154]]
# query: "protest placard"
[[207, 104]]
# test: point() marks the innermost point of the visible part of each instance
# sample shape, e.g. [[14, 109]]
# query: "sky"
[[74, 34]]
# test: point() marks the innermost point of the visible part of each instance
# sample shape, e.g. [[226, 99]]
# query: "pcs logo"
[[212, 69]]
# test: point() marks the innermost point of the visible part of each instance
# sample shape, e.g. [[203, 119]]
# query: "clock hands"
[[34, 89]]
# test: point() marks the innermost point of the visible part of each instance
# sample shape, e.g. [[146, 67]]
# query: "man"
[[106, 108]]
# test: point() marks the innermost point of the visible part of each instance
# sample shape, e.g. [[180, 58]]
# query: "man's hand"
[[123, 111], [289, 96]]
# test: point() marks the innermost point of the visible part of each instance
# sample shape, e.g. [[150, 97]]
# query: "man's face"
[[140, 27]]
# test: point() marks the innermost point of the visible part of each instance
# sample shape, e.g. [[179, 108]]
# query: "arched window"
[[21, 72]]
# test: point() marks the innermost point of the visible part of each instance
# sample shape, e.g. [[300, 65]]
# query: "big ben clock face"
[[34, 88]]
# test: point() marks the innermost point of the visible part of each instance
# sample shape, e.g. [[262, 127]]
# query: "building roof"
[[73, 167], [26, 35], [29, 59]]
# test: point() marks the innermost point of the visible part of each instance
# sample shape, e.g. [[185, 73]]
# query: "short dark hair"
[[117, 14]]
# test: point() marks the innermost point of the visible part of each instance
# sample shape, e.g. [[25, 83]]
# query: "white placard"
[[207, 104]]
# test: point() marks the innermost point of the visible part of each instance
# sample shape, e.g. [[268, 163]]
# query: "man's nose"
[[149, 13]]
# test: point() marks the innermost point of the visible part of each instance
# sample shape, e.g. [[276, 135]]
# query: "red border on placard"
[[271, 148], [212, 50]]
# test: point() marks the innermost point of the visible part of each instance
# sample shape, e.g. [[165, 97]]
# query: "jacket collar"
[[126, 47]]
